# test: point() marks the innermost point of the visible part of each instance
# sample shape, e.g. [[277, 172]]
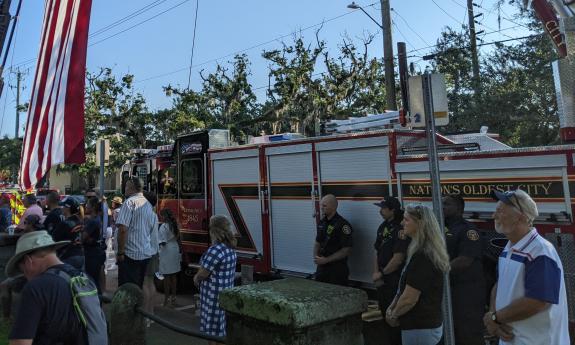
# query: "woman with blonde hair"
[[416, 308], [217, 272]]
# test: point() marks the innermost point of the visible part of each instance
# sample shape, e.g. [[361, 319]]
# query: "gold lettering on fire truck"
[[553, 189], [190, 215]]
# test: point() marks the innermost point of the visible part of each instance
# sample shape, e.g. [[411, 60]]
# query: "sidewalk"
[[184, 314]]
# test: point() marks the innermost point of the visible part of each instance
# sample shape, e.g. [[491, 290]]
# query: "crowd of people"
[[70, 236], [412, 257], [525, 304]]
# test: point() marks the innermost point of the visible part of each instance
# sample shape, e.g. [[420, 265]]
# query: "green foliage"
[[113, 111], [517, 96], [225, 101], [354, 84], [9, 158]]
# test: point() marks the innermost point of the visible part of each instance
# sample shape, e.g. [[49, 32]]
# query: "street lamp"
[[355, 6], [387, 50]]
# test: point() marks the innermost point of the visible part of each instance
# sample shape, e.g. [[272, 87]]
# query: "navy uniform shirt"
[[387, 243], [463, 239], [333, 235], [53, 219]]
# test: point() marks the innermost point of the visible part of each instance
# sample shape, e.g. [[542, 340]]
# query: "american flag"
[[55, 125]]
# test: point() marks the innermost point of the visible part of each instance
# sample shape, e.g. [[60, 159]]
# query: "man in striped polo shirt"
[[528, 302], [136, 224]]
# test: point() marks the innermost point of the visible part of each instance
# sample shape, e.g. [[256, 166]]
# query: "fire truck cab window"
[[167, 181], [192, 177]]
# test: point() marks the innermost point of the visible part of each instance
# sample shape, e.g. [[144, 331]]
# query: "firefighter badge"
[[472, 235], [346, 229]]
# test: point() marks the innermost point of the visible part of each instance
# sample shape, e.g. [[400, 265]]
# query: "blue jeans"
[[421, 336]]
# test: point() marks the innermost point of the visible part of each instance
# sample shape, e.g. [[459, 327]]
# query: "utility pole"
[[388, 55], [473, 38], [18, 80]]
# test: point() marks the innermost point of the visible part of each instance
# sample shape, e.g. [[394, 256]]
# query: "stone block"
[[293, 312], [126, 326]]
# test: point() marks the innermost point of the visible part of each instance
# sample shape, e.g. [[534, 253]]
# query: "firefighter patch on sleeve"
[[346, 229], [472, 235]]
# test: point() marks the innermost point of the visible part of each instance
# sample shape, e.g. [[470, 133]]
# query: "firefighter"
[[390, 252], [332, 244], [466, 275]]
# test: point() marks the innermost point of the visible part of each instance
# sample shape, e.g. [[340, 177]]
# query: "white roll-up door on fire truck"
[[292, 207], [357, 172]]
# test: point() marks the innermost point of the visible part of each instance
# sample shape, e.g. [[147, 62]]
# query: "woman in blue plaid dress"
[[217, 272]]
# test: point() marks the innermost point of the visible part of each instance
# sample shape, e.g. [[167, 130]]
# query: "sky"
[[152, 39]]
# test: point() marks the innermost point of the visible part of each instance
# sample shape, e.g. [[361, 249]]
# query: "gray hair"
[[221, 232]]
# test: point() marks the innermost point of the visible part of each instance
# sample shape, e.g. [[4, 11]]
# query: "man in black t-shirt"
[[466, 276], [55, 215], [332, 244], [46, 313], [391, 249]]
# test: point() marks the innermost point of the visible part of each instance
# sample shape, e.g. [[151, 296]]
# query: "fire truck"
[[271, 190]]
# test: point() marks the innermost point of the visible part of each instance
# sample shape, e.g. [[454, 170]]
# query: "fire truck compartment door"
[[292, 207], [357, 172], [236, 194]]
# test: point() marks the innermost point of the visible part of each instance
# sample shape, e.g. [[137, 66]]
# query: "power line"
[[428, 57], [193, 44], [506, 17], [460, 5], [409, 26], [185, 68], [115, 24], [447, 13], [140, 23], [246, 49], [10, 75], [402, 35], [128, 17]]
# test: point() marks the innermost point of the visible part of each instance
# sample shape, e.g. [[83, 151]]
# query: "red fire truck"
[[271, 191]]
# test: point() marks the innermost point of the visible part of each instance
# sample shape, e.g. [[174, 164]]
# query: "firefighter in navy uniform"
[[332, 244], [390, 253], [466, 276]]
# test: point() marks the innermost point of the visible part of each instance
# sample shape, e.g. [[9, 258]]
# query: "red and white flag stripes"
[[55, 125]]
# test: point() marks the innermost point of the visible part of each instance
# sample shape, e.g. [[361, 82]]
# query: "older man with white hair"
[[528, 303]]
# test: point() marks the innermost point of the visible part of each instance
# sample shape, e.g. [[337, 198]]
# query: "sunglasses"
[[418, 208], [511, 196]]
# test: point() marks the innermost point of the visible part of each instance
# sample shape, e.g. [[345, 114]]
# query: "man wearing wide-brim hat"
[[46, 308]]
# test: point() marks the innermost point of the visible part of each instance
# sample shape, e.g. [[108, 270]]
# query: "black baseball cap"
[[389, 202], [70, 203]]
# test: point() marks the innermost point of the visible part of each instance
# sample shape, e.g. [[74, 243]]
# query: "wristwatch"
[[494, 317]]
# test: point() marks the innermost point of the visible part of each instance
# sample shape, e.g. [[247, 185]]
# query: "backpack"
[[86, 305]]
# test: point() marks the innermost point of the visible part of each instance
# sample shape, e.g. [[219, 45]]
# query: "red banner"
[[548, 17]]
